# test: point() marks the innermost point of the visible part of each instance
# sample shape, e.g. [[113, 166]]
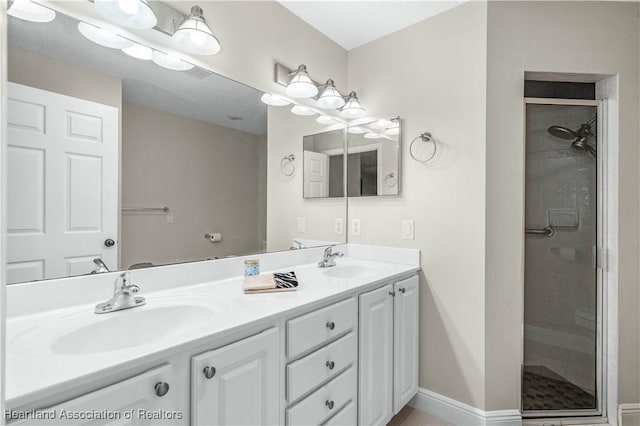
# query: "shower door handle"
[[547, 231]]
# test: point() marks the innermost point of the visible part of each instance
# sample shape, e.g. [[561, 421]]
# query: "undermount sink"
[[114, 331], [350, 271]]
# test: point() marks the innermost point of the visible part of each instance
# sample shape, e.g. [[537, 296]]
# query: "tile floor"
[[410, 417]]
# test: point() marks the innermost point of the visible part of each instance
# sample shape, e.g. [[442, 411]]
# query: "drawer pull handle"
[[329, 404], [209, 372], [392, 293], [162, 388], [402, 290], [331, 325], [330, 365]]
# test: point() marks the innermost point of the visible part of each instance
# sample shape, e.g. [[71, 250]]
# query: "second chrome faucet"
[[123, 297]]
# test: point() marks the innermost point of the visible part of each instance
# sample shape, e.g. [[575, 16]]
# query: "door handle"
[[109, 242]]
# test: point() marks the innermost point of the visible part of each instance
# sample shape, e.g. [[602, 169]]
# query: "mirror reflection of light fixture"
[[371, 135], [300, 84], [330, 98], [326, 119], [356, 130], [103, 37], [274, 100], [194, 35], [170, 62], [352, 108], [394, 129], [302, 110], [130, 13], [139, 51], [383, 123], [30, 11]]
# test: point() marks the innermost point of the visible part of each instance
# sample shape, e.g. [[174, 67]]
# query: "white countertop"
[[34, 368]]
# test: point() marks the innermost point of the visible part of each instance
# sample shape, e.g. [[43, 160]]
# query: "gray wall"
[[208, 176]]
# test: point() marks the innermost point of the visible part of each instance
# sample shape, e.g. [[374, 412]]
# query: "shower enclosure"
[[562, 365]]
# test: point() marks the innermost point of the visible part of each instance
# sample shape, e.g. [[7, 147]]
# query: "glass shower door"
[[561, 319]]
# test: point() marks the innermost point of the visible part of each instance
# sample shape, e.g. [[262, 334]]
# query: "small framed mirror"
[[324, 164], [373, 158]]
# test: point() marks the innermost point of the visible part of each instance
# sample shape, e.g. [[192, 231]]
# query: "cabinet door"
[[406, 340], [138, 400], [375, 398], [244, 387]]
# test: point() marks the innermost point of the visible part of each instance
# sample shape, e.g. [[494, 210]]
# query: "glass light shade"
[[130, 13], [103, 37], [383, 123], [274, 100], [30, 11], [330, 98], [372, 135], [139, 51], [302, 110], [352, 108], [195, 36], [169, 62], [356, 130], [326, 119], [300, 84]]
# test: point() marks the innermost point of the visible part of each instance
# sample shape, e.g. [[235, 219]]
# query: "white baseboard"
[[460, 414], [629, 414]]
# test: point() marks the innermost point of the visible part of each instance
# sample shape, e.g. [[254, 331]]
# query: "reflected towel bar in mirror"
[[164, 209]]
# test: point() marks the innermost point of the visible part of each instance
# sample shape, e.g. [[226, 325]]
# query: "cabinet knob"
[[331, 325], [402, 290], [329, 404], [162, 388], [209, 372], [330, 365], [392, 293]]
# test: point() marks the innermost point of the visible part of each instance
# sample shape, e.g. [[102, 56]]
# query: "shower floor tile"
[[542, 389]]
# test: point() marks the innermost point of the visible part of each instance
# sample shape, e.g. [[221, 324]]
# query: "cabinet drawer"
[[315, 408], [346, 416], [316, 327], [308, 372]]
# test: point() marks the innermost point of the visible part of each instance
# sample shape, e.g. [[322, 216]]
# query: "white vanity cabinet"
[[238, 384], [138, 400], [388, 350]]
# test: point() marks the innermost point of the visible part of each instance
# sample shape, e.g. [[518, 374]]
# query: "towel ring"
[[426, 138], [390, 179], [287, 163]]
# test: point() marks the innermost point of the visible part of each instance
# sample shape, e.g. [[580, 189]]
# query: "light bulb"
[[330, 98], [352, 108], [130, 13], [300, 85], [195, 36], [130, 7]]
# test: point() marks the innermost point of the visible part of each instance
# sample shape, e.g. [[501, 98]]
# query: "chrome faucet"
[[123, 297], [329, 258], [297, 245], [100, 266]]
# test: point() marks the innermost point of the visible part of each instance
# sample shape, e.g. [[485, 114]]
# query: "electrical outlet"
[[338, 226], [170, 218], [408, 230], [302, 224], [355, 227]]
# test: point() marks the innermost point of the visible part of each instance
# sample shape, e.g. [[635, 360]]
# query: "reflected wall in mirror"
[[117, 159], [324, 164], [373, 159]]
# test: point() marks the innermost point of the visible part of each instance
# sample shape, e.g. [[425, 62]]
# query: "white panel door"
[[405, 341], [375, 398], [241, 385], [316, 174], [62, 184]]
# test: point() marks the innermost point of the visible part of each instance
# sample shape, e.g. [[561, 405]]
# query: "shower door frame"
[[599, 414]]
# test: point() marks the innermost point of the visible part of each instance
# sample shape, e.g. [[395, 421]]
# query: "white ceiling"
[[354, 23]]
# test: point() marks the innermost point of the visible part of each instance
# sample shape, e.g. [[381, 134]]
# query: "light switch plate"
[[408, 230], [302, 224], [339, 226], [355, 227]]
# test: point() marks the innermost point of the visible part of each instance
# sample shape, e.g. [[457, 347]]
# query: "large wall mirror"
[[115, 162], [373, 158]]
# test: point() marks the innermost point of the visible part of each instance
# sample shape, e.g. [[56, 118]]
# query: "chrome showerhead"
[[579, 137], [562, 133]]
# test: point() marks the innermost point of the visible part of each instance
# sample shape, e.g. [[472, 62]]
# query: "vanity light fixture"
[[30, 11], [274, 100], [356, 130], [103, 37], [326, 119], [130, 13], [352, 108], [195, 36], [300, 84], [170, 62], [139, 51], [330, 98], [302, 110]]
